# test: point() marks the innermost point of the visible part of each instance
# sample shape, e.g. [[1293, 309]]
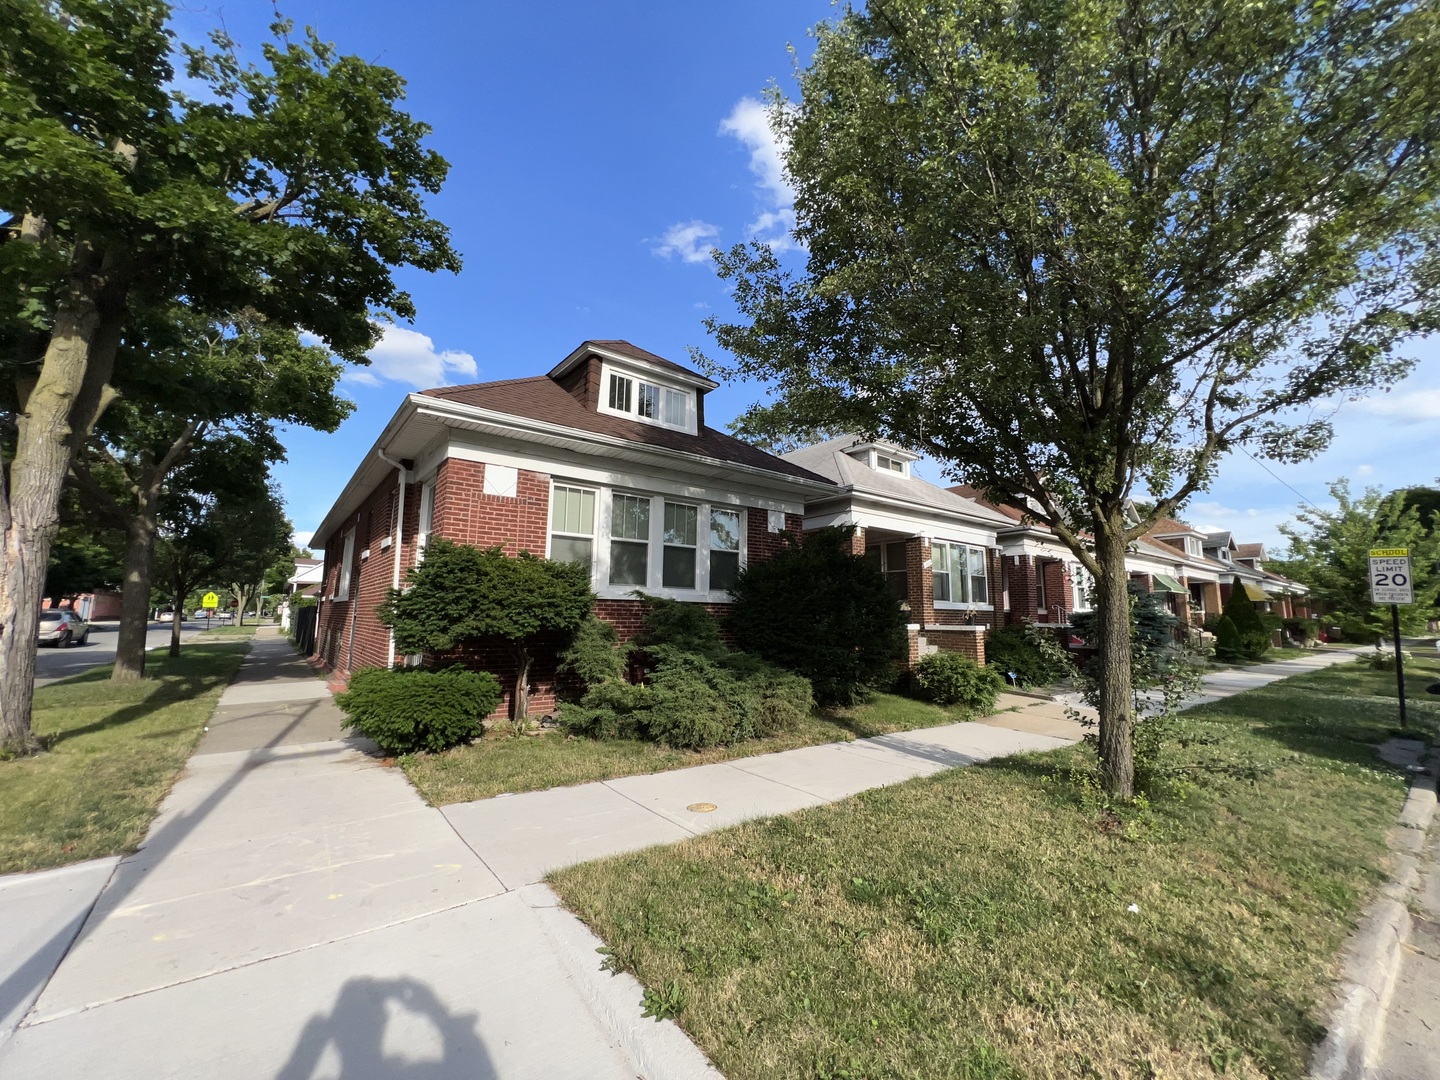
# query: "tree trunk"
[[135, 597], [1117, 699], [30, 515], [520, 698], [176, 617]]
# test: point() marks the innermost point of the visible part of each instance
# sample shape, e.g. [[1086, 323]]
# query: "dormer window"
[[651, 402], [885, 463], [1224, 555], [1192, 546]]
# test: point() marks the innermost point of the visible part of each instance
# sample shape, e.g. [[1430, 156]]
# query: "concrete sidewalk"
[[297, 911]]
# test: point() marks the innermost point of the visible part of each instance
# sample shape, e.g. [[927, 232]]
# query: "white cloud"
[[302, 538], [1421, 404], [1364, 470], [689, 240], [408, 356], [749, 122]]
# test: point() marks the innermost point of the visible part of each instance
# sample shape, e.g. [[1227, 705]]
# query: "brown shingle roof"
[[969, 491], [624, 348], [541, 398], [1249, 551], [1171, 527]]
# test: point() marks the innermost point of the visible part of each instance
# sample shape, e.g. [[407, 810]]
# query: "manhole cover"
[[700, 807]]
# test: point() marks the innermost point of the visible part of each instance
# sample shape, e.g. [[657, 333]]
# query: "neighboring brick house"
[[938, 549], [604, 460], [1243, 567]]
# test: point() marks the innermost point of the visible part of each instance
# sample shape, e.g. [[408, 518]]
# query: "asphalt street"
[[52, 664]]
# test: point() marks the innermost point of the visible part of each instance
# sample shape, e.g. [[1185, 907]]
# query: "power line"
[[1267, 468]]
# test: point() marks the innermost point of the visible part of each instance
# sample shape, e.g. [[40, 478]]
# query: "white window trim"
[[1081, 577], [691, 424], [961, 605], [426, 523], [655, 549], [347, 568], [551, 532]]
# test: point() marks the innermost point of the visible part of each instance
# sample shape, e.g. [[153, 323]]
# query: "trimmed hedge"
[[406, 710], [948, 678]]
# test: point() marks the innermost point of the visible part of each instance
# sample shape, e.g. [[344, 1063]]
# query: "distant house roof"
[[1250, 551], [1171, 527], [830, 460], [539, 397]]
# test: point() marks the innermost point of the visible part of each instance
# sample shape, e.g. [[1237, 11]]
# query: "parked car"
[[62, 628]]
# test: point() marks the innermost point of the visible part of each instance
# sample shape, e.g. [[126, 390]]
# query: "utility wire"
[[1267, 468]]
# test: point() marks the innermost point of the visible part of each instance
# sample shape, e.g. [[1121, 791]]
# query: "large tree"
[[1078, 250], [290, 189], [221, 521], [194, 380], [1330, 552]]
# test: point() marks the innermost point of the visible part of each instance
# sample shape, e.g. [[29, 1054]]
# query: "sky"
[[598, 152]]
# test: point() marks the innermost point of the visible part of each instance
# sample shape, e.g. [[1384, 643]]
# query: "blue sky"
[[597, 151]]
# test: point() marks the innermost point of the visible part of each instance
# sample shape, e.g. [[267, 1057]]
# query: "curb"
[[1375, 951], [659, 1050]]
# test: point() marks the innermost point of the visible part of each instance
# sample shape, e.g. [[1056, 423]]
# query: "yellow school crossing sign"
[[210, 600]]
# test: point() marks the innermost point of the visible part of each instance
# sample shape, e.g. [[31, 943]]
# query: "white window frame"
[[655, 545], [892, 464], [964, 549], [347, 568], [653, 530], [1082, 589], [426, 524], [644, 386], [551, 532]]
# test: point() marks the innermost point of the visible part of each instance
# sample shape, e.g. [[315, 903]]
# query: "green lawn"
[[979, 924], [229, 632], [114, 751], [499, 763]]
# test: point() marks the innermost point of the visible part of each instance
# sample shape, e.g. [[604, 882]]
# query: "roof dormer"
[[619, 379], [883, 457]]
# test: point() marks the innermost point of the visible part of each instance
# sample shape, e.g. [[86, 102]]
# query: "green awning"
[[1254, 592], [1166, 583]]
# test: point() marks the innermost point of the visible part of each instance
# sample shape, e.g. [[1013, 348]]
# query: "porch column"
[[1022, 589]]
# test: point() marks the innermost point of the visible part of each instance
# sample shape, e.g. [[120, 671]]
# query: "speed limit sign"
[[1390, 580]]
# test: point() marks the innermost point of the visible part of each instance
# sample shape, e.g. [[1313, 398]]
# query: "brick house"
[[937, 548], [604, 460]]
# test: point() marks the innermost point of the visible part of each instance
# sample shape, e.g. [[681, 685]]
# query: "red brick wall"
[[1145, 581], [760, 543], [350, 633], [1023, 593], [969, 643], [465, 514], [1057, 591]]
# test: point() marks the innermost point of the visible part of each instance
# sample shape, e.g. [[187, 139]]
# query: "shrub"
[[692, 699], [1254, 637], [1227, 640], [688, 627], [593, 657], [948, 678], [1384, 659], [1015, 650], [409, 709], [1302, 631], [822, 612]]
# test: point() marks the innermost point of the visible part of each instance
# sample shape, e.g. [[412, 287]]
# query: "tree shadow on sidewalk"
[[354, 1032]]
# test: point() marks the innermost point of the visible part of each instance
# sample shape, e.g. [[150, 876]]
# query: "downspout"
[[399, 536]]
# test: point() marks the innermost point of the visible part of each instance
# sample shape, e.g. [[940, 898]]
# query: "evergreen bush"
[[1015, 650], [1228, 646], [405, 710], [822, 612], [692, 699], [593, 657], [948, 678], [1254, 636]]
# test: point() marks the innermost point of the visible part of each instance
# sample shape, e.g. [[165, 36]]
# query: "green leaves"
[[459, 594]]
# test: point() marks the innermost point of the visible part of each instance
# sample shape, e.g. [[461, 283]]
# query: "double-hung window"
[[681, 541], [621, 392], [572, 525], [1082, 588], [724, 548], [958, 573], [677, 409], [629, 540], [647, 403]]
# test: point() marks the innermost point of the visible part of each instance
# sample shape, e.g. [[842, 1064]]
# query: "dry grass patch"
[[979, 923]]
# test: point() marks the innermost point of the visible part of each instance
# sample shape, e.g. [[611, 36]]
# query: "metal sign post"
[[1391, 583]]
